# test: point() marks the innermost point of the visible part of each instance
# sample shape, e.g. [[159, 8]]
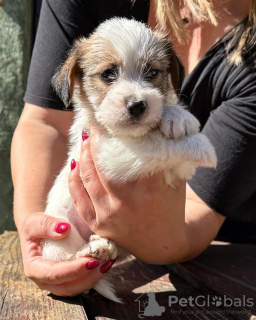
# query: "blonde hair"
[[168, 13], [244, 35]]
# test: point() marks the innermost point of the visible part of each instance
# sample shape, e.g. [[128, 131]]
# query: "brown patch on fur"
[[175, 68], [94, 56], [95, 53], [89, 57], [97, 88], [65, 77], [176, 71]]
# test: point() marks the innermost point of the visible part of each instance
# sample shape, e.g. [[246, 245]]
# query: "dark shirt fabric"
[[221, 95]]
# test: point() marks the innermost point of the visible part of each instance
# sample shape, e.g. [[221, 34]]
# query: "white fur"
[[129, 37], [166, 139], [114, 119]]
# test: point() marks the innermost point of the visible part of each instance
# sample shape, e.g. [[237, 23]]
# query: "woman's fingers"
[[55, 273], [74, 287], [85, 187], [82, 283], [80, 196], [88, 171], [42, 226]]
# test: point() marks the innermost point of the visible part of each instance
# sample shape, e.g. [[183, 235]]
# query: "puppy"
[[124, 80]]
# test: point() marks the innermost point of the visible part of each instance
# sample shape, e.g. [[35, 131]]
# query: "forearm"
[[189, 239], [202, 225], [38, 153], [190, 232]]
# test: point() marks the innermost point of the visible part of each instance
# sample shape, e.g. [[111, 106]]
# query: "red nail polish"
[[106, 266], [73, 164], [85, 135], [92, 264], [61, 227]]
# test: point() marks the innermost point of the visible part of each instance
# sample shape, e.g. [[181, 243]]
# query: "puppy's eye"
[[151, 74], [109, 75]]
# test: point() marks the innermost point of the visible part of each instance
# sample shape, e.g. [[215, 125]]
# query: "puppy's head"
[[125, 73]]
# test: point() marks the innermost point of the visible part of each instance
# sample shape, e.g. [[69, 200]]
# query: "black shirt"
[[221, 95]]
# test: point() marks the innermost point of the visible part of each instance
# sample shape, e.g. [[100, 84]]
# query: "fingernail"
[[73, 164], [92, 264], [106, 266], [84, 135], [61, 227]]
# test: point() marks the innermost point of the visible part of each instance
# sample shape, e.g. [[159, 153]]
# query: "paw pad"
[[102, 248]]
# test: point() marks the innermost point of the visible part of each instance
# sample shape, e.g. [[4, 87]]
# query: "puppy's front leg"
[[99, 248], [176, 123]]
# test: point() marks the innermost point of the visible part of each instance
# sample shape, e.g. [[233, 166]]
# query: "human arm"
[[229, 189], [202, 224], [146, 217], [39, 146], [39, 141], [39, 150]]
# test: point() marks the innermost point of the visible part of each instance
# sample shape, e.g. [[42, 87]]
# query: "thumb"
[[42, 226]]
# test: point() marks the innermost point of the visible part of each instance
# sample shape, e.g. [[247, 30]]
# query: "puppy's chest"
[[123, 159]]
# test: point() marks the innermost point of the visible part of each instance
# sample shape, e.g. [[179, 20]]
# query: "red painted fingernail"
[[106, 266], [61, 227], [84, 135], [73, 164], [92, 264]]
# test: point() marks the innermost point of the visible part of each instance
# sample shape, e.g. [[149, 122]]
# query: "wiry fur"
[[164, 138]]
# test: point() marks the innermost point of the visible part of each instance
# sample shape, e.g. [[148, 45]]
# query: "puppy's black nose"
[[136, 108]]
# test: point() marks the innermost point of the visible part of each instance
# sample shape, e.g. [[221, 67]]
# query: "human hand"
[[67, 278], [146, 217]]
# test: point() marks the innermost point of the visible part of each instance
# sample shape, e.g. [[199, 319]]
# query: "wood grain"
[[209, 274], [20, 299], [133, 284], [225, 270]]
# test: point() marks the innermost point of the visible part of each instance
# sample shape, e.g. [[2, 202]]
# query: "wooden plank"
[[133, 284], [20, 299], [226, 271]]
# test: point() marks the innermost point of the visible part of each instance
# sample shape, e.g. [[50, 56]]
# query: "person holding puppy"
[[158, 224]]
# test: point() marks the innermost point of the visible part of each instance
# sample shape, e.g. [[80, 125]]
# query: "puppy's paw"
[[177, 123], [102, 248], [83, 252], [200, 151]]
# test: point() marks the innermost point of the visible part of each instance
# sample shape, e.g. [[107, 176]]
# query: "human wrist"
[[23, 211]]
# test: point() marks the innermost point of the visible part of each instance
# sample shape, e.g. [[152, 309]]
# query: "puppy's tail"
[[105, 288]]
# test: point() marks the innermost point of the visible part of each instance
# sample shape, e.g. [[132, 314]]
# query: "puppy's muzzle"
[[136, 108]]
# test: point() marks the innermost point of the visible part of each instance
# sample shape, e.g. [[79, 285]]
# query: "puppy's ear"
[[175, 67], [176, 70], [65, 76]]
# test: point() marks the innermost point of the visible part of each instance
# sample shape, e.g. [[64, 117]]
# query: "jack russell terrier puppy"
[[124, 81]]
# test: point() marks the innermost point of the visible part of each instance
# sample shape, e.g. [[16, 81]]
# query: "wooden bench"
[[219, 284]]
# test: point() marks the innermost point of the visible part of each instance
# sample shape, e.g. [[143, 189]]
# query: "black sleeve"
[[230, 189], [59, 24]]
